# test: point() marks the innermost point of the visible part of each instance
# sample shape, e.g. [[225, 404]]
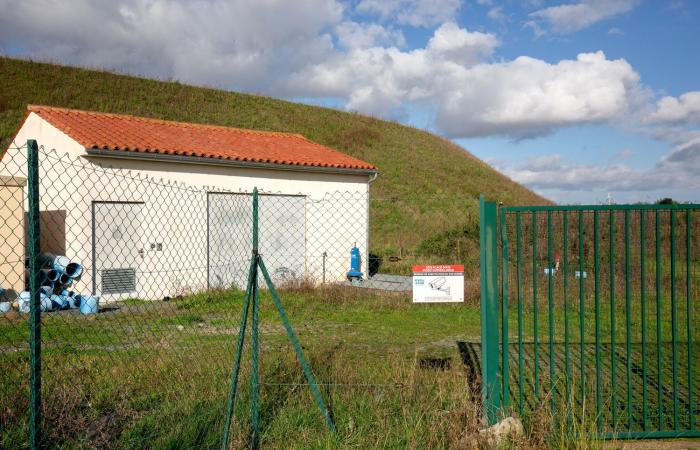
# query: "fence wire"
[[142, 282]]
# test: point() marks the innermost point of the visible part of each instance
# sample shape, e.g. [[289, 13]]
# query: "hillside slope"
[[425, 198]]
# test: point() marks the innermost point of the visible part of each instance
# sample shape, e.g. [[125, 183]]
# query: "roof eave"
[[225, 162]]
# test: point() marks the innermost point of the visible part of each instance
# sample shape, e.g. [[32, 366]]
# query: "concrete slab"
[[386, 282]]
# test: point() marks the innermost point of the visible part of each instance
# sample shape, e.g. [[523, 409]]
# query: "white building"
[[153, 208]]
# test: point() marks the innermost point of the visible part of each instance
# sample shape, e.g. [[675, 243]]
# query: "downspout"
[[372, 179]]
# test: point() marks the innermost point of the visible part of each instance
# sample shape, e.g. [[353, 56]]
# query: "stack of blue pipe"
[[57, 275]]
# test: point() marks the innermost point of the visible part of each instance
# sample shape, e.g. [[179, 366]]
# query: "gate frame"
[[488, 243], [494, 332]]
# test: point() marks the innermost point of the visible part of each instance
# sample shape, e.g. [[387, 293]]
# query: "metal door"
[[117, 248], [282, 237]]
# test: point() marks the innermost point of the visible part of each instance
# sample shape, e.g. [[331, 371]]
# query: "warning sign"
[[439, 283]]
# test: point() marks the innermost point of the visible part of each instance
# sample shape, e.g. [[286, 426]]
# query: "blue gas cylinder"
[[355, 263]]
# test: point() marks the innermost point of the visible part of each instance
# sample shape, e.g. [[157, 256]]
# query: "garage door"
[[117, 229], [282, 237]]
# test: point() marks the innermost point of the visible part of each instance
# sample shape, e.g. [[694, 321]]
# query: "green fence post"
[[643, 295], [596, 287], [520, 314], [488, 237], [674, 322], [567, 357], [231, 400], [582, 304], [659, 360], [255, 349], [689, 315], [628, 322], [35, 301], [297, 348], [535, 326], [613, 354], [550, 311], [504, 310]]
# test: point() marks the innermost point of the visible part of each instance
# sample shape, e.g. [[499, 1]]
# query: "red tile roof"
[[121, 133]]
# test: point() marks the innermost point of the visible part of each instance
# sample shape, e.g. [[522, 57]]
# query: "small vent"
[[118, 281]]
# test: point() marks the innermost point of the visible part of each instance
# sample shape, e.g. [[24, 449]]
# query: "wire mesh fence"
[[142, 283]]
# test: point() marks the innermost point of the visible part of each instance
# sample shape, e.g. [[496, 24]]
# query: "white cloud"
[[379, 80], [528, 96], [537, 30], [684, 110], [461, 46], [237, 44], [577, 16], [417, 13], [471, 96], [361, 35], [674, 171], [317, 49], [496, 13], [683, 164], [309, 48]]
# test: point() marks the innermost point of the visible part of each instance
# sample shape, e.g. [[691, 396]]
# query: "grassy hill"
[[424, 202]]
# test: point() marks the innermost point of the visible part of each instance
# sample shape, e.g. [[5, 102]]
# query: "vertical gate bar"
[[628, 323], [596, 255], [689, 315], [567, 366], [35, 301], [550, 304], [674, 322], [659, 366], [582, 322], [534, 301], [520, 315], [504, 310], [643, 293], [488, 239], [611, 224]]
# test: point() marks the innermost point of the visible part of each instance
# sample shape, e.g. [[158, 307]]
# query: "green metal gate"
[[591, 311]]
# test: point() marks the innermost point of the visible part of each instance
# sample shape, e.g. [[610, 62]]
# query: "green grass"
[[156, 375], [427, 191]]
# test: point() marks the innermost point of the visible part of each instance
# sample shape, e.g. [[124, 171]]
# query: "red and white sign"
[[438, 283]]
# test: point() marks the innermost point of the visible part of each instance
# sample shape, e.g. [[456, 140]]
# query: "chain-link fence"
[[141, 286]]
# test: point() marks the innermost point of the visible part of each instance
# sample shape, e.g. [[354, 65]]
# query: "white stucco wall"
[[174, 197]]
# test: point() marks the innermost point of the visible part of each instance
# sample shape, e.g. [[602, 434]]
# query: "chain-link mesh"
[[14, 331], [143, 283]]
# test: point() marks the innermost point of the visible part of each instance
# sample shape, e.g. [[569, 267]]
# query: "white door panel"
[[281, 238], [118, 248]]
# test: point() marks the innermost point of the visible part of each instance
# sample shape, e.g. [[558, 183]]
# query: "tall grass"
[[390, 371]]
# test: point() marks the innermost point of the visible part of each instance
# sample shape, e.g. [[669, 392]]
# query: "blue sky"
[[577, 99]]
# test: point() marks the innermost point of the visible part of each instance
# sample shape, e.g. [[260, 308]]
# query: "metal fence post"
[[255, 348], [35, 300], [489, 310]]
